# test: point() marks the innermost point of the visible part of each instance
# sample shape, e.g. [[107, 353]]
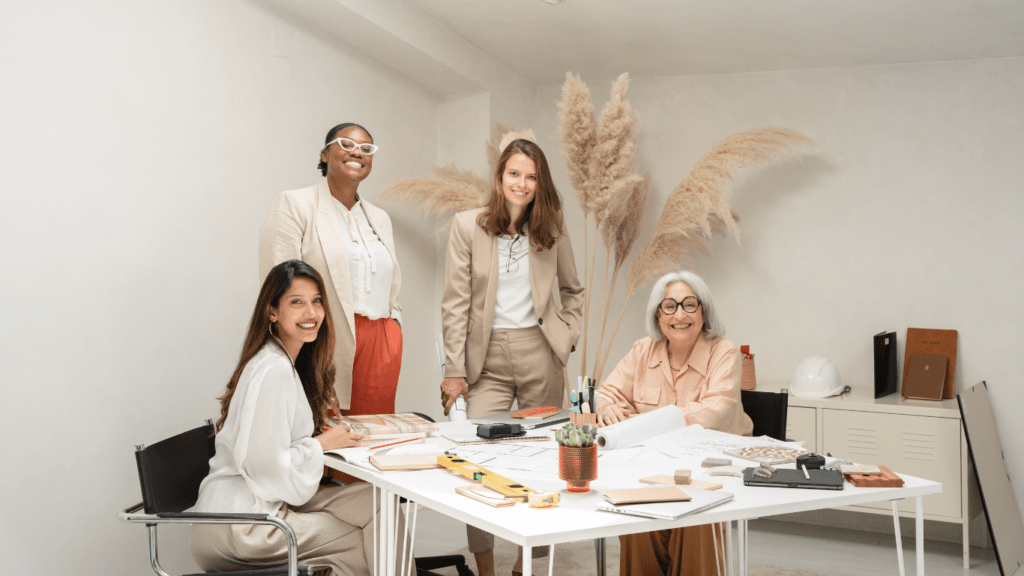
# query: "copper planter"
[[577, 466]]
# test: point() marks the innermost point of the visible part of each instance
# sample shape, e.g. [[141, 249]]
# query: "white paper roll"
[[635, 430]]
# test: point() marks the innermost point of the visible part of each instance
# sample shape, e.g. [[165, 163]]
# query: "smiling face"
[[681, 328], [299, 315], [519, 181], [353, 166]]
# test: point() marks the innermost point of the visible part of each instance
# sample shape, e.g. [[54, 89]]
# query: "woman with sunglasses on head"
[[506, 337], [271, 439], [350, 242], [686, 361]]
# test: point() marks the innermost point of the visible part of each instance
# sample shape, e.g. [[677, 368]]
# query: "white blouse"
[[265, 453], [370, 267], [513, 306]]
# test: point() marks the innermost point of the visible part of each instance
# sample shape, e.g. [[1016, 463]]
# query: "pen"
[[575, 403], [406, 441], [806, 475], [590, 395]]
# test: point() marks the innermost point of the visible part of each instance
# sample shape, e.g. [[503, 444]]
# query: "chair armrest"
[[245, 518]]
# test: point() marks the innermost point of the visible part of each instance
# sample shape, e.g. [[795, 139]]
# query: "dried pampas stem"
[[627, 230]]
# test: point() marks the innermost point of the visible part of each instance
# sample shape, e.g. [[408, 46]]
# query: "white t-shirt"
[[513, 306], [266, 455], [369, 264]]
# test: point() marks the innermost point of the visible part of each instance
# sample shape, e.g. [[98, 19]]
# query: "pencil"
[[406, 441]]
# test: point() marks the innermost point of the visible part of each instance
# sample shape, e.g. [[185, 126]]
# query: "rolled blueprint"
[[637, 429]]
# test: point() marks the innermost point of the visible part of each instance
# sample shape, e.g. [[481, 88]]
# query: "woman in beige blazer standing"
[[507, 336], [350, 242]]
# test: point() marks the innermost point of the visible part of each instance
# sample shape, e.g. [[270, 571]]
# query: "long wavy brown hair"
[[542, 217], [315, 362]]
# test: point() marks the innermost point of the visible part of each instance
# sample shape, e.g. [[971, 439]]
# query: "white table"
[[576, 519]]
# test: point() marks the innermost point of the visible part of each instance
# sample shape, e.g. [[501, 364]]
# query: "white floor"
[[776, 543]]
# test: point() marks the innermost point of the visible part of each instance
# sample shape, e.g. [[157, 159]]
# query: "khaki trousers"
[[519, 366], [334, 528]]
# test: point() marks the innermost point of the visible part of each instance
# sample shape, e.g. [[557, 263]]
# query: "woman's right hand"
[[452, 388], [340, 436], [610, 414]]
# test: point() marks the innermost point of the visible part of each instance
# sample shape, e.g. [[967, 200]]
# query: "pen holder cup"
[[581, 419], [748, 378], [577, 466]]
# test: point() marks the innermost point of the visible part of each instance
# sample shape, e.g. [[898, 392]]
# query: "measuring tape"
[[500, 484]]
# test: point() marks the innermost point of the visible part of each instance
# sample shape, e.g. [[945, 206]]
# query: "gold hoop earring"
[[271, 329]]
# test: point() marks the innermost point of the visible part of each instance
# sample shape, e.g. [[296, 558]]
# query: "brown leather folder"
[[926, 377], [930, 341]]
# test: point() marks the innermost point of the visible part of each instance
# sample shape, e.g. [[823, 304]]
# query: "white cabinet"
[[921, 438]]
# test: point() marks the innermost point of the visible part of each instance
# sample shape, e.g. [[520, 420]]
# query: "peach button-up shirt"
[[707, 389]]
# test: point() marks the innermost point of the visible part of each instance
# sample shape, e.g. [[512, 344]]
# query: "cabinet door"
[[800, 425], [921, 446]]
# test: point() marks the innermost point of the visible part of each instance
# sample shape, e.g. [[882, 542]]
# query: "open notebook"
[[700, 500]]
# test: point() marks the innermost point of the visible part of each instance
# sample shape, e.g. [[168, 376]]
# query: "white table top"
[[575, 518]]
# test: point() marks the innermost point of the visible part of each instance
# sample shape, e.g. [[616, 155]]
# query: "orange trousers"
[[375, 368], [686, 551]]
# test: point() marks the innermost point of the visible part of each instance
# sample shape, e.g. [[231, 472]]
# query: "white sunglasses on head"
[[350, 145]]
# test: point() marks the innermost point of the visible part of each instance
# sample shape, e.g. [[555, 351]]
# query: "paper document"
[[635, 430]]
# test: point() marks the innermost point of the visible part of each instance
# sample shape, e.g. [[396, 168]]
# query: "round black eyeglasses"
[[689, 304]]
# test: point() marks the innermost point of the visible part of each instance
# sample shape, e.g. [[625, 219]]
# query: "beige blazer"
[[303, 224], [471, 287]]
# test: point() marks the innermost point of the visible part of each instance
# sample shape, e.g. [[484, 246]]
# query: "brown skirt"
[[686, 551]]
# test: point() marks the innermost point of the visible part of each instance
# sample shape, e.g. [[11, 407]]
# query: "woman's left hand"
[[610, 414], [340, 436]]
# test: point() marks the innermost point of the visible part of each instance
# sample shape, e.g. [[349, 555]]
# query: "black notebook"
[[885, 364], [789, 478]]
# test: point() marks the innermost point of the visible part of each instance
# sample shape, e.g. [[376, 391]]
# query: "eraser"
[[543, 499], [682, 477], [713, 462]]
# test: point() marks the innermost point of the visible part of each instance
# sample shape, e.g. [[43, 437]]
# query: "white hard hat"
[[816, 377]]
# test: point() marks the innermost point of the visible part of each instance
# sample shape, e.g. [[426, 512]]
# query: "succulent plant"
[[575, 435]]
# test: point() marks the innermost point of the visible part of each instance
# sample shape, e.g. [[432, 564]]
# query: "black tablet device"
[[789, 478]]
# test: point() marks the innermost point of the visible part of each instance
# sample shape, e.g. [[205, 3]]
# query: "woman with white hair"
[[686, 361]]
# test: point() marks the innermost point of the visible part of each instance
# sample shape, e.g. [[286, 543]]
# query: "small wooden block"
[[666, 479], [543, 499], [888, 479], [682, 477]]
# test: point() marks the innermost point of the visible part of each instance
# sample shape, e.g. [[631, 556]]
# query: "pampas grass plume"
[[615, 154], [448, 190], [578, 134], [700, 203]]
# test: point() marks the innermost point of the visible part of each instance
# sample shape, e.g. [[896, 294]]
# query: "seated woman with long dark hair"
[[271, 438]]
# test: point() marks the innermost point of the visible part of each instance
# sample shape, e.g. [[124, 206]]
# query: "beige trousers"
[[519, 366], [334, 528]]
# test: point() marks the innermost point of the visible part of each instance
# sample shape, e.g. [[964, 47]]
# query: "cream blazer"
[[471, 288], [303, 225]]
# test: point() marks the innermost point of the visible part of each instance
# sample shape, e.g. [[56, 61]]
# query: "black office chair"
[[425, 565], [170, 472], [768, 411]]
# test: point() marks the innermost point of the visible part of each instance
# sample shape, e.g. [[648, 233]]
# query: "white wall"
[[142, 145], [907, 214]]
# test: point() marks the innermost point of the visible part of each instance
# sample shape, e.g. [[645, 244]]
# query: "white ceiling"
[[603, 38]]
